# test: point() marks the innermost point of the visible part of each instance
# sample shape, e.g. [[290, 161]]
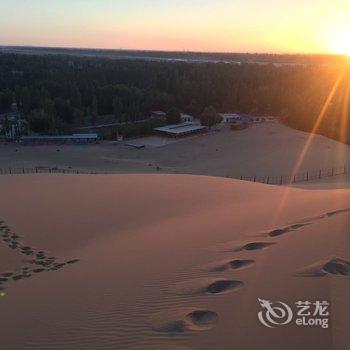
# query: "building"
[[158, 115], [245, 118], [237, 117], [12, 124], [186, 118], [265, 119], [75, 139], [229, 117], [179, 130]]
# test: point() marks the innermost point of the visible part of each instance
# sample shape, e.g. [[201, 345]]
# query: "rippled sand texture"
[[167, 262]]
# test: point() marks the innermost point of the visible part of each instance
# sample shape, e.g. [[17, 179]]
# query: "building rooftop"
[[238, 116], [60, 137], [183, 128], [160, 113]]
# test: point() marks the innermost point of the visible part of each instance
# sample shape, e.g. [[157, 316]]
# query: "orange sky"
[[313, 26]]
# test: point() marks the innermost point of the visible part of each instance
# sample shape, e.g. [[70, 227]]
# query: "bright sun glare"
[[341, 43]]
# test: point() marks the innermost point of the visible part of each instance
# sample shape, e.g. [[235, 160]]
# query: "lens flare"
[[310, 139], [341, 43]]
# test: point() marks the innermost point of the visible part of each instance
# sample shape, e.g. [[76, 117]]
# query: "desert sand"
[[168, 262], [267, 149]]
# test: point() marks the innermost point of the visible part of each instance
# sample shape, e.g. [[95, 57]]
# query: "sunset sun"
[[341, 43]]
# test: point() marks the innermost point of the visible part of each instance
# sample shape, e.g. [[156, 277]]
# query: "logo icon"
[[274, 314]]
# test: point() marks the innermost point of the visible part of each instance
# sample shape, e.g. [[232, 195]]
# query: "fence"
[[272, 180], [45, 170], [301, 177]]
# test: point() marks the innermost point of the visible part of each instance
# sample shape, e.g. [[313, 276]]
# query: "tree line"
[[56, 93]]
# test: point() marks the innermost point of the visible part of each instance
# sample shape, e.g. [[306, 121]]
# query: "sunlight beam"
[[308, 143], [319, 119]]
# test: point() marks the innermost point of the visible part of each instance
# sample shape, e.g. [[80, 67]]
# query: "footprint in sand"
[[326, 215], [255, 246], [281, 231], [335, 266], [186, 320], [42, 258], [208, 286], [235, 264], [7, 274], [340, 211], [305, 222], [17, 277], [38, 270], [298, 226], [27, 250], [223, 286], [73, 261]]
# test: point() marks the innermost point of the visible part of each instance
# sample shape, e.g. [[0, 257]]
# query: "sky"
[[278, 26]]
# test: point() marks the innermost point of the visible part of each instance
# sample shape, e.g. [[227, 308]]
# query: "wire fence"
[[272, 180], [44, 170], [300, 177]]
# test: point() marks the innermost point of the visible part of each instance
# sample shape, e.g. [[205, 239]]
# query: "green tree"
[[6, 99], [39, 122], [194, 109], [210, 117], [173, 116], [75, 96], [94, 109], [117, 108], [5, 126], [49, 109], [64, 110]]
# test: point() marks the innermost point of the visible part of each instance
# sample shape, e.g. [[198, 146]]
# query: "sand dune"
[[168, 262]]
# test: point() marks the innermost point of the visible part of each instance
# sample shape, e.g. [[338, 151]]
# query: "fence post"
[[307, 176], [255, 178], [294, 178], [241, 177], [332, 171], [268, 179]]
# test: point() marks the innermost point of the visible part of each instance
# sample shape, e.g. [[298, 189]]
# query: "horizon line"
[[174, 51]]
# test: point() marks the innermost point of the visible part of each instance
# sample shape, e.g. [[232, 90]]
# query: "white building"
[[158, 115], [183, 129], [230, 117], [186, 118], [241, 117]]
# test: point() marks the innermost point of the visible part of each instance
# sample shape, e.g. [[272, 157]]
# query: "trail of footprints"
[[200, 320], [38, 260], [188, 320]]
